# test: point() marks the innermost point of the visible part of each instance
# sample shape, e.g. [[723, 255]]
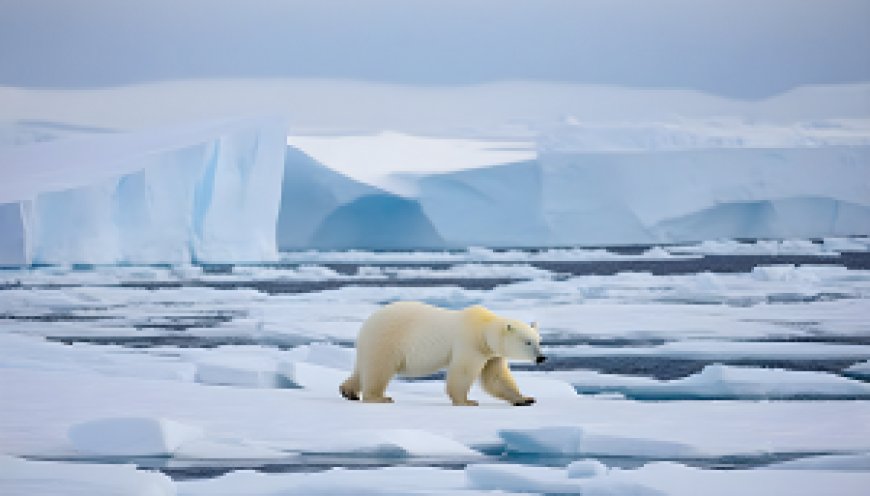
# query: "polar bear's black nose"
[[540, 359]]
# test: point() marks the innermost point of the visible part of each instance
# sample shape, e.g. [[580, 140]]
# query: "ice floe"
[[861, 370], [131, 436], [575, 441], [20, 477], [724, 350], [717, 381]]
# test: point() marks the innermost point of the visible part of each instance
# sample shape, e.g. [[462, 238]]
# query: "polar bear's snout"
[[540, 359]]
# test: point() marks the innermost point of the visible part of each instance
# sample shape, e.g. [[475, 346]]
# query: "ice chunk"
[[206, 193], [725, 350], [400, 442], [718, 381], [847, 244], [573, 440], [239, 371], [861, 370], [206, 448], [323, 380], [324, 354], [480, 254], [25, 477], [759, 247], [541, 387], [582, 469], [131, 436], [521, 478], [858, 462]]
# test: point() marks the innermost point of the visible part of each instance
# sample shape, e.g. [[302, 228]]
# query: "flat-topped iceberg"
[[207, 193]]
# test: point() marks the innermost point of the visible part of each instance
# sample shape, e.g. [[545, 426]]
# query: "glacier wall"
[[599, 198], [208, 193]]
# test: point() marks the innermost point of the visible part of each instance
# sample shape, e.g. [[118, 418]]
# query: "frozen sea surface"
[[734, 365]]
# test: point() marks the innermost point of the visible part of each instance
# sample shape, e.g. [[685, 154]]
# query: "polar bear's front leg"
[[461, 374], [497, 380]]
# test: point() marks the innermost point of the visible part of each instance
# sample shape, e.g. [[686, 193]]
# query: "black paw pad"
[[349, 396]]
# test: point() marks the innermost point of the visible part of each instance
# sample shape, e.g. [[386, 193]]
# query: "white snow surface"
[[373, 158], [665, 478], [251, 416], [19, 477], [206, 192]]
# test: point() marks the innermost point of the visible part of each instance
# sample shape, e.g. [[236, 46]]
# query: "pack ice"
[[208, 192]]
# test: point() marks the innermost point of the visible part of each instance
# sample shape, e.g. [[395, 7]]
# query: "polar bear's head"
[[520, 341]]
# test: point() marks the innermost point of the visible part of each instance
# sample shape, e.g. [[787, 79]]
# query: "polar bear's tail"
[[351, 387]]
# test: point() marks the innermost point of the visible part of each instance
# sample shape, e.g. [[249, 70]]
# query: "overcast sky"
[[736, 48]]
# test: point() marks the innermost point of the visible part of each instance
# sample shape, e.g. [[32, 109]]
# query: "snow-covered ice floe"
[[723, 350], [19, 477], [575, 441], [207, 192], [256, 375], [718, 381], [133, 436], [476, 254], [665, 478], [827, 247]]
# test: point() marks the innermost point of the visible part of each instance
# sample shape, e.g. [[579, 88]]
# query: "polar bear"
[[415, 339]]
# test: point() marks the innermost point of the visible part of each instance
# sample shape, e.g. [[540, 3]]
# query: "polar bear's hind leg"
[[374, 381]]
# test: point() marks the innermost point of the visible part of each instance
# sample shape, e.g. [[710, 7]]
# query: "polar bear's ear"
[[534, 325]]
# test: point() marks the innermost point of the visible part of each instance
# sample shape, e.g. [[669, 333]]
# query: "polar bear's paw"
[[380, 399], [348, 394]]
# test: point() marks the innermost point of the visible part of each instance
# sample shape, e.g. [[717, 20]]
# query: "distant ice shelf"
[[663, 188], [603, 198], [208, 192]]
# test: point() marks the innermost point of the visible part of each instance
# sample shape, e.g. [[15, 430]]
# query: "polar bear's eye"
[[528, 343]]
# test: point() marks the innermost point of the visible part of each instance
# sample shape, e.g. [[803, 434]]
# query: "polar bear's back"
[[417, 336]]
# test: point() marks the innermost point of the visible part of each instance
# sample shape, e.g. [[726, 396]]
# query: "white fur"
[[414, 339]]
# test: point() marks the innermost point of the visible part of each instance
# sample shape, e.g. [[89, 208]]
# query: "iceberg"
[[322, 208], [205, 193], [659, 196], [310, 192]]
